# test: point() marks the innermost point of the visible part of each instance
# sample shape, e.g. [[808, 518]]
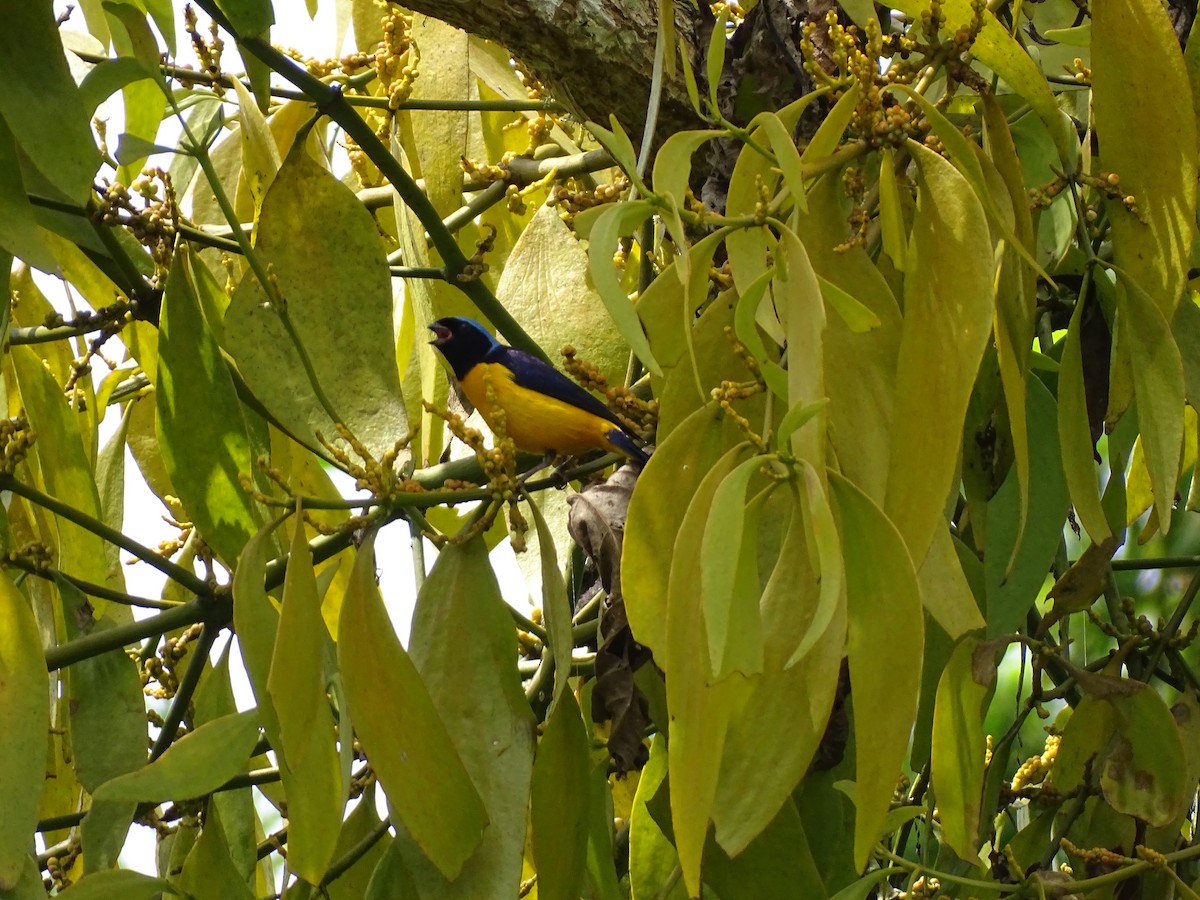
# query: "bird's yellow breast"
[[535, 422]]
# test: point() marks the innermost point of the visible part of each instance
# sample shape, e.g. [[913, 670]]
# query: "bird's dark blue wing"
[[530, 372]]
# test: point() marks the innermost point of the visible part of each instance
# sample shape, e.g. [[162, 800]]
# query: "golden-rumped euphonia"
[[544, 411]]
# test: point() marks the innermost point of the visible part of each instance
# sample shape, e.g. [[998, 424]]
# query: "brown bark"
[[596, 56]]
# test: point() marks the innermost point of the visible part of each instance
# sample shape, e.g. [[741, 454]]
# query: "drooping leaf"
[[477, 691], [1142, 103], [24, 720], [558, 808], [884, 606], [201, 424], [406, 740], [556, 606], [296, 684], [125, 883], [947, 306]]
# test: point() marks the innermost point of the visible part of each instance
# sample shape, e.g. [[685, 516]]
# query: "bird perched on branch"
[[543, 410]]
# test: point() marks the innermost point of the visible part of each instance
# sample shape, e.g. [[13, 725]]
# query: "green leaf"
[[947, 305], [656, 513], [884, 605], [476, 688], [797, 417], [699, 709], [556, 606], [619, 219], [194, 765], [1158, 386], [673, 163], [1074, 434], [714, 60], [891, 212], [617, 143], [761, 766], [260, 154], [41, 104], [833, 127], [201, 424], [729, 577], [945, 591], [1141, 130], [818, 521], [786, 155], [332, 281], [1012, 588], [1144, 774], [296, 685], [801, 308], [652, 857], [405, 739], [250, 18], [18, 227], [558, 813], [777, 864], [208, 871], [959, 743], [124, 883], [24, 722], [106, 705], [857, 316], [362, 824]]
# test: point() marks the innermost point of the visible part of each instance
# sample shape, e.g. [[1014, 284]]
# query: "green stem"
[[175, 572], [186, 690], [90, 588], [342, 864], [199, 610], [1173, 625], [917, 868]]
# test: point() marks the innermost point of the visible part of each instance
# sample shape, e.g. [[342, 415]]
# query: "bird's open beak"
[[441, 334]]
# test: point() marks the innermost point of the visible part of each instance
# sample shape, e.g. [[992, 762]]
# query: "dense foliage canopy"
[[903, 300]]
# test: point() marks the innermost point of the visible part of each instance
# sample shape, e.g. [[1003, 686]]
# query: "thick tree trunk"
[[596, 56]]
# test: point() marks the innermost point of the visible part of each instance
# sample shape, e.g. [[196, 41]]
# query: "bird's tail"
[[625, 444]]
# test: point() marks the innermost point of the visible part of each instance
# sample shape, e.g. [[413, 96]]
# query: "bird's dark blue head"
[[464, 342]]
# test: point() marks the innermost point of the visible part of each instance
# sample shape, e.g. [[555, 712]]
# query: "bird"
[[544, 411]]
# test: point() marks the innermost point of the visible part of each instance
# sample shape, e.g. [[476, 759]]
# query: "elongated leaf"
[[201, 425], [945, 591], [947, 320], [652, 857], [786, 154], [699, 709], [41, 104], [18, 228], [559, 824], [802, 308], [333, 286], [656, 513], [762, 766], [1158, 386], [819, 524], [477, 691], [731, 615], [884, 605], [959, 744], [620, 219], [196, 764], [556, 606], [24, 721], [209, 871], [106, 705], [296, 684], [891, 212], [260, 155], [1074, 434], [427, 786], [1143, 107], [124, 883]]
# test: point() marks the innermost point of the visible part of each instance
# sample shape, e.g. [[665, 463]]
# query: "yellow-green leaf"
[[197, 763], [619, 219], [201, 423], [331, 282], [558, 814], [24, 721], [884, 605], [296, 685], [947, 321], [405, 739], [1142, 102]]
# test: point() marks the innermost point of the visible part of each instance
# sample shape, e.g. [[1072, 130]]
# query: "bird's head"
[[464, 342]]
